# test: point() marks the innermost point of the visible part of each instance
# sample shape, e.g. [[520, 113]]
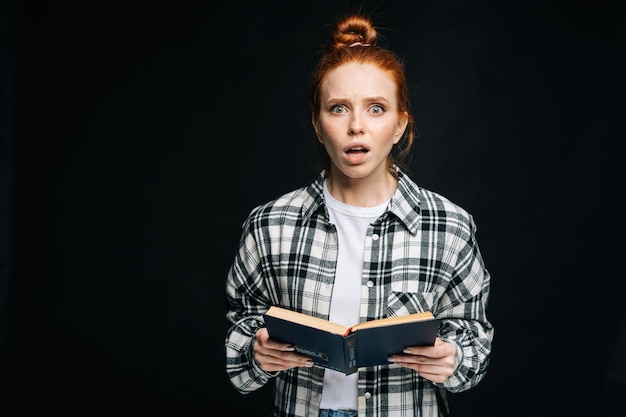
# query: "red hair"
[[354, 39]]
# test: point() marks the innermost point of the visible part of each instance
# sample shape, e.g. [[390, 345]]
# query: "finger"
[[441, 349], [430, 372], [276, 360], [278, 356], [433, 377], [446, 362], [262, 337]]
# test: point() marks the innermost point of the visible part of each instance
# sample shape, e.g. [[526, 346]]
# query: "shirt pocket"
[[402, 303]]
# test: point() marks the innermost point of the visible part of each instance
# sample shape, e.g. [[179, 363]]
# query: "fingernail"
[[309, 363]]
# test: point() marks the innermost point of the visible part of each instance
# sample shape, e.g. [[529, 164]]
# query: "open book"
[[347, 348]]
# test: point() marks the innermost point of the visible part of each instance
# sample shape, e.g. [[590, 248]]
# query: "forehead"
[[357, 79]]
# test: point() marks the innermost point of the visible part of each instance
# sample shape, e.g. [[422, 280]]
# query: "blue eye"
[[377, 108], [337, 109]]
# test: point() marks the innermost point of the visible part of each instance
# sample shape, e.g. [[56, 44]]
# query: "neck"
[[362, 192]]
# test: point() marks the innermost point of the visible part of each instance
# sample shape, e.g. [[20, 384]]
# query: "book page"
[[307, 320], [426, 315]]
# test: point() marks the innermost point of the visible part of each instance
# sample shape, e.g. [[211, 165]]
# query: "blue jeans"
[[338, 413]]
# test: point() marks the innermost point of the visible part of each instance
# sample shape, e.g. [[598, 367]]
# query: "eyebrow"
[[367, 99]]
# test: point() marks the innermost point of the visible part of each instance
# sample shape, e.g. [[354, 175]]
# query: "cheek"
[[326, 132], [391, 133]]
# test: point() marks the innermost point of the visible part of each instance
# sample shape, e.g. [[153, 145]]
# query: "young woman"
[[361, 242]]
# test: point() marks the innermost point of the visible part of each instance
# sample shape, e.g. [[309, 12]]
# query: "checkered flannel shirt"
[[421, 254]]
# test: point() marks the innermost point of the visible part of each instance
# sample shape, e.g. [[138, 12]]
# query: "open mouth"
[[357, 150]]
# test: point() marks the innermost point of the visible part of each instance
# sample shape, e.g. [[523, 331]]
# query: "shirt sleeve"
[[246, 300], [463, 314]]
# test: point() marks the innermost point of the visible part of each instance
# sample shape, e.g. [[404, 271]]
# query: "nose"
[[356, 125]]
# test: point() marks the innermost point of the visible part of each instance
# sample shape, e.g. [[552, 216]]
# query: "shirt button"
[[367, 395], [370, 284], [375, 236]]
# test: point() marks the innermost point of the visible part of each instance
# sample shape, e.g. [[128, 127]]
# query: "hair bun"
[[354, 30]]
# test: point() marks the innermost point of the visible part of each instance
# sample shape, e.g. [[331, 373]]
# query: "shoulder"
[[437, 203], [285, 203], [430, 207], [294, 205], [441, 214]]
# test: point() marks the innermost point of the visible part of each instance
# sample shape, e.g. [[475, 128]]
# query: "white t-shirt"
[[341, 391]]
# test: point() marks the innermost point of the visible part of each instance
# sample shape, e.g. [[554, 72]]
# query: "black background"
[[136, 137]]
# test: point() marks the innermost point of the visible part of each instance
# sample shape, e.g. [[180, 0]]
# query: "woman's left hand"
[[435, 363]]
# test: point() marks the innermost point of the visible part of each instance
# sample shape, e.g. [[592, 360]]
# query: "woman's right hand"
[[276, 356]]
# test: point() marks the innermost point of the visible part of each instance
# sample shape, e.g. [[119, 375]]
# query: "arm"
[[252, 358], [460, 357], [246, 301], [464, 315]]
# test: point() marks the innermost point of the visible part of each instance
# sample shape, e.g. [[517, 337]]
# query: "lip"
[[356, 146], [356, 153]]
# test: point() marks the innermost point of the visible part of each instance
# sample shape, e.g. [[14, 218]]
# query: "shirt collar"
[[404, 205]]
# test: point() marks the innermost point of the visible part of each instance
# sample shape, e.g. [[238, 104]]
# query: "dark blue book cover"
[[375, 344], [345, 349], [326, 348]]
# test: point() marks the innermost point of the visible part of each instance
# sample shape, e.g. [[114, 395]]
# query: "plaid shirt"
[[421, 254]]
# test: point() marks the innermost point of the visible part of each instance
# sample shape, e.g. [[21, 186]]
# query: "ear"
[[316, 127], [403, 121]]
